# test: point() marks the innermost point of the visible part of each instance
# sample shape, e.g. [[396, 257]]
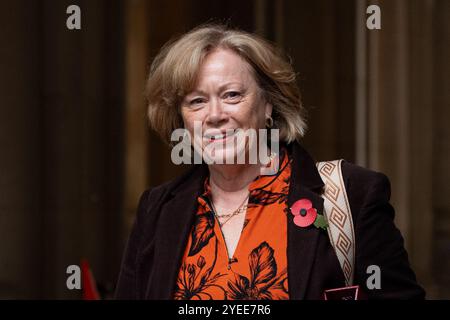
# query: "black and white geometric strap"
[[339, 216]]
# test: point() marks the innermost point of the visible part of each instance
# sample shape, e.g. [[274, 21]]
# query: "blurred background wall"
[[76, 152]]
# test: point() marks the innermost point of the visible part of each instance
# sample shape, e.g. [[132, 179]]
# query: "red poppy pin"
[[305, 215]]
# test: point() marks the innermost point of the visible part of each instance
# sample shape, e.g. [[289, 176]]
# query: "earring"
[[269, 122]]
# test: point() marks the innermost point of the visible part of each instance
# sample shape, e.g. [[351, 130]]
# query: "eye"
[[196, 101], [232, 95]]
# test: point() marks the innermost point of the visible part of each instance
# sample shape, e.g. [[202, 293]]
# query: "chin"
[[217, 154]]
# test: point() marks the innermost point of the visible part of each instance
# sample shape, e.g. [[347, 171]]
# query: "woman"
[[230, 230]]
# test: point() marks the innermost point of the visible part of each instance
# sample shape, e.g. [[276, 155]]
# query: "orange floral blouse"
[[258, 268]]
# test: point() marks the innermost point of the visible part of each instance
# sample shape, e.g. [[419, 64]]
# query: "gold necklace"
[[239, 210]]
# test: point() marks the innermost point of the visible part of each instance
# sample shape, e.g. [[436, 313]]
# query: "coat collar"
[[302, 242], [177, 216]]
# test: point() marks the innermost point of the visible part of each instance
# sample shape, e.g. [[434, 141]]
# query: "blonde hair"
[[173, 75]]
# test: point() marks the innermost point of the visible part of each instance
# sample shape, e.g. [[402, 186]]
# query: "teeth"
[[217, 136]]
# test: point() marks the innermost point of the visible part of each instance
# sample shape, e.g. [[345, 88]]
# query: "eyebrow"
[[221, 88]]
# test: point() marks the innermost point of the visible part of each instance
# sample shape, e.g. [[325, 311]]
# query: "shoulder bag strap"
[[339, 216]]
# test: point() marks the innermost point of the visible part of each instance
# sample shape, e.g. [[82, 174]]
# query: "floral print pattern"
[[258, 268]]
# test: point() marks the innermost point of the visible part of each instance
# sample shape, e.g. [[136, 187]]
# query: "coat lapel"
[[302, 242], [175, 223]]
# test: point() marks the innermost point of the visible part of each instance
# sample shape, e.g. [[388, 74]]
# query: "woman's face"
[[226, 96]]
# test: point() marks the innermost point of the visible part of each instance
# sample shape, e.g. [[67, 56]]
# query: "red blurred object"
[[90, 291]]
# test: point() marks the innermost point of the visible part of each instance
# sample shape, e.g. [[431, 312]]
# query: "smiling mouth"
[[219, 136]]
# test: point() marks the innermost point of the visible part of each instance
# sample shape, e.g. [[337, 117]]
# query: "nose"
[[216, 113]]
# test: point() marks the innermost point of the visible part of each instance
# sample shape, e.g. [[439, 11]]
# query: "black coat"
[[166, 213]]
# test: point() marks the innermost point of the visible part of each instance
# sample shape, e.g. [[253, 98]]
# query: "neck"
[[232, 178], [229, 184]]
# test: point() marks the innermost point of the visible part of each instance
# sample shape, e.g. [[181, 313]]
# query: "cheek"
[[254, 116], [188, 120]]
